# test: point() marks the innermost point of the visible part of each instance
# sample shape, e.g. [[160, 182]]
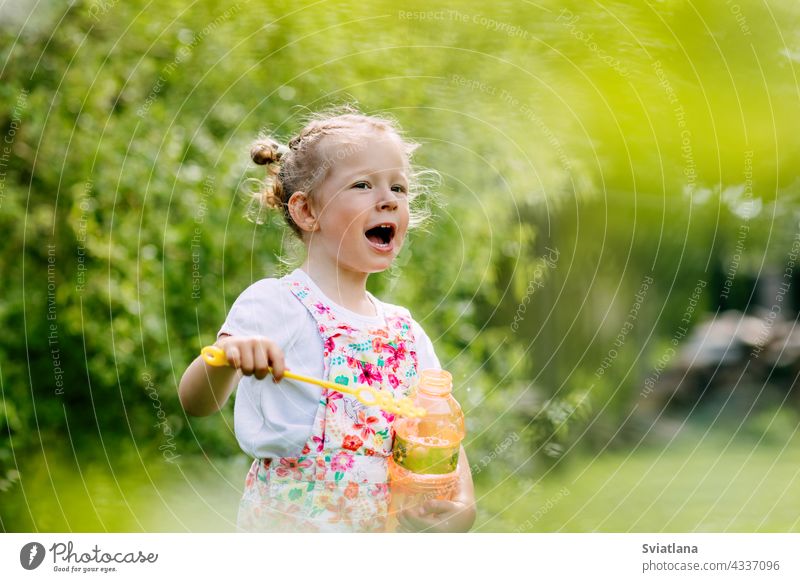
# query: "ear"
[[302, 211]]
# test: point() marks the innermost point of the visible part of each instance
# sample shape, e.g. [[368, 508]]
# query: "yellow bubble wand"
[[215, 356]]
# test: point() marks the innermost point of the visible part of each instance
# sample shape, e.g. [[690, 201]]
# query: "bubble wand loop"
[[215, 356]]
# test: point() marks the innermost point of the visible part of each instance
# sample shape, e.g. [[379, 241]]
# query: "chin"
[[380, 269], [368, 267]]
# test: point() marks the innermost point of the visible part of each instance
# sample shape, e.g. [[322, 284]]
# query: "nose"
[[388, 201]]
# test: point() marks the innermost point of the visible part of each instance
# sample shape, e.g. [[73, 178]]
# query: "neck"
[[346, 287]]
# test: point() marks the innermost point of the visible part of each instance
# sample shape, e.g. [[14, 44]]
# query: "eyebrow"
[[366, 172]]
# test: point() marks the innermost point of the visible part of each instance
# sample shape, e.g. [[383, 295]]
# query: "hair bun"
[[267, 151]]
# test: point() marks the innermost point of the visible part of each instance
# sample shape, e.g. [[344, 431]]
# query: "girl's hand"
[[436, 515], [253, 355]]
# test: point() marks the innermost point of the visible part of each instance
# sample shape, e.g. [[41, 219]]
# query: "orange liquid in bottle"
[[425, 454]]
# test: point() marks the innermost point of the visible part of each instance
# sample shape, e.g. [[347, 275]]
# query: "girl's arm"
[[466, 487], [204, 389], [465, 517], [456, 515]]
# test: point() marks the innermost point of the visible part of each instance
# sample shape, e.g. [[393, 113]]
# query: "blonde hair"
[[301, 165]]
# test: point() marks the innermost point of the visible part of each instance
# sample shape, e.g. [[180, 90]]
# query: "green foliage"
[[125, 188]]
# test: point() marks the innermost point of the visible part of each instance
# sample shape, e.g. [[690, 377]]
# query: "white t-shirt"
[[275, 420]]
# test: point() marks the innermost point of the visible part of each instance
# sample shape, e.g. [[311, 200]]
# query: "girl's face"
[[362, 205]]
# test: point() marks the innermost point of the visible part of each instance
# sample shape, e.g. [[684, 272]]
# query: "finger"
[[419, 514], [260, 362], [405, 523], [234, 356], [437, 506], [276, 361], [411, 519], [247, 360]]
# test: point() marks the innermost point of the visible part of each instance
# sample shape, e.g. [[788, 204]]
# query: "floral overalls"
[[339, 481]]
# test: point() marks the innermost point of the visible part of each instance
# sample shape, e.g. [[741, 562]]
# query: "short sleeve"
[[426, 355], [264, 309]]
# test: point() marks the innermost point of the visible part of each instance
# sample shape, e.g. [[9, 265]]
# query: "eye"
[[361, 185], [399, 188]]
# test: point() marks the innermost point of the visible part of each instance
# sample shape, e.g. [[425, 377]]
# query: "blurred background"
[[610, 272]]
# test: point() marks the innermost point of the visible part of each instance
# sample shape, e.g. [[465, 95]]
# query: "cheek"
[[352, 233], [404, 220]]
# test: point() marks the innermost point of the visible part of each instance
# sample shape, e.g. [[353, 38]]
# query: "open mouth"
[[381, 236]]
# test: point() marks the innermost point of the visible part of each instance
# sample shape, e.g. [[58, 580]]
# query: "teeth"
[[382, 235]]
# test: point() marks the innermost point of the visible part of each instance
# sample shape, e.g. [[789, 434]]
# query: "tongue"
[[375, 238]]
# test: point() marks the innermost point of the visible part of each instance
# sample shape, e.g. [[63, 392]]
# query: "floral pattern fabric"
[[339, 481]]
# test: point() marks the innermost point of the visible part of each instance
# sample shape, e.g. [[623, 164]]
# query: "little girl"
[[344, 185]]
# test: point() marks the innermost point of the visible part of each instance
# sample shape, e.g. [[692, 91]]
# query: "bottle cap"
[[438, 382]]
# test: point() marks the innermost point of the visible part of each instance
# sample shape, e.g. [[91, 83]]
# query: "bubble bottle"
[[425, 454]]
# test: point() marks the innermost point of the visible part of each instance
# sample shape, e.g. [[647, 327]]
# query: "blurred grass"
[[713, 481], [125, 492]]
